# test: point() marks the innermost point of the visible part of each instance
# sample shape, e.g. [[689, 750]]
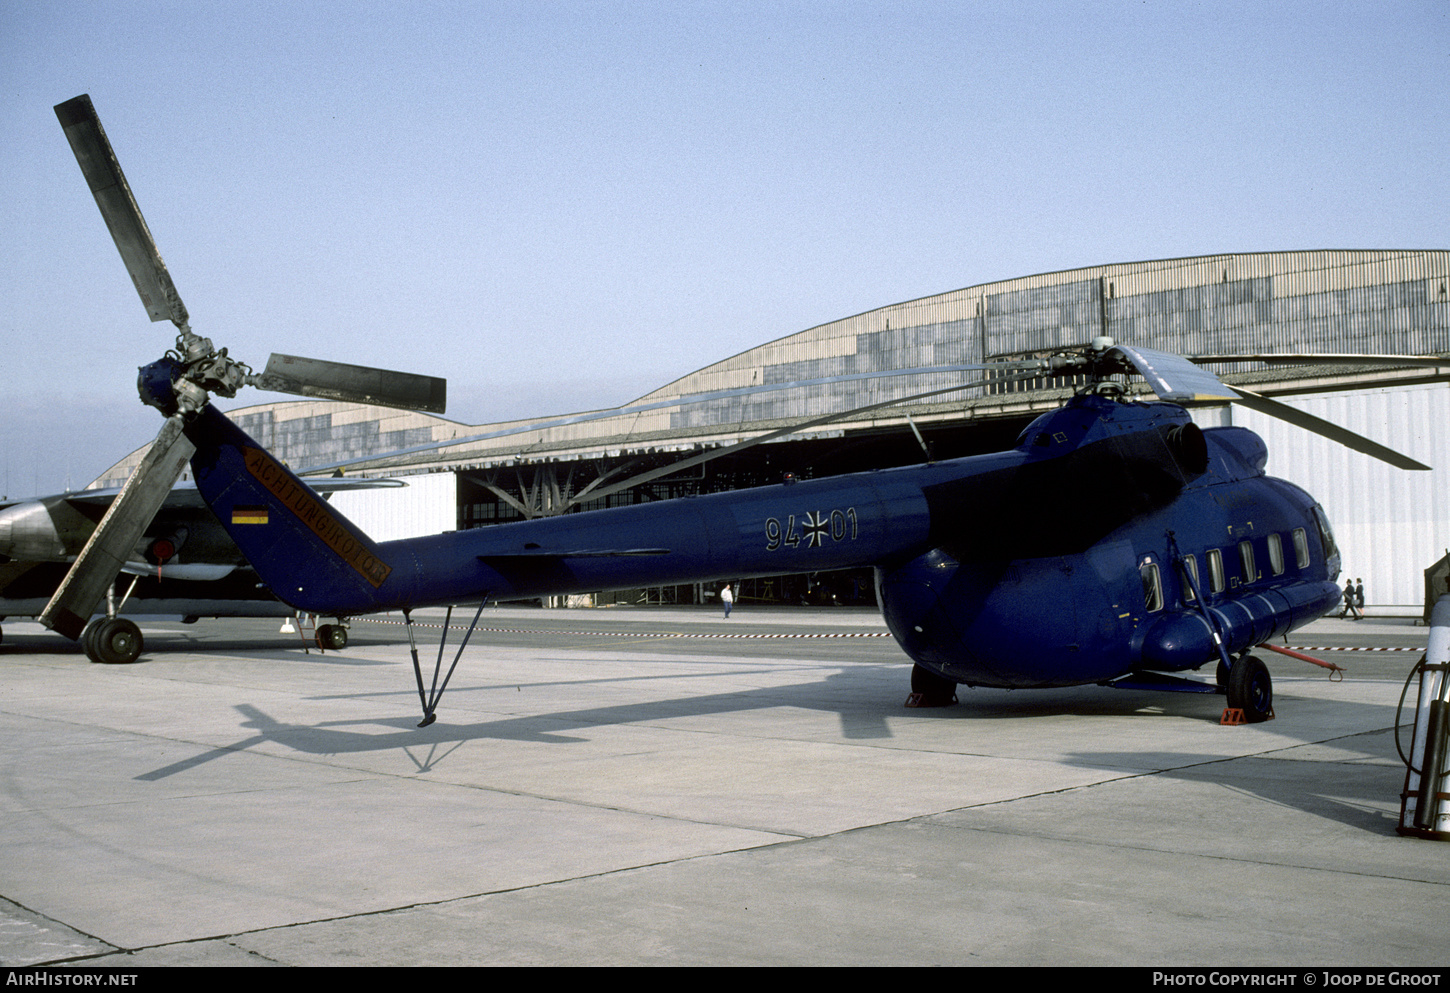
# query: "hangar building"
[[1390, 524]]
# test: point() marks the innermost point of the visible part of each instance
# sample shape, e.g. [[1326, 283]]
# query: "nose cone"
[[42, 531]]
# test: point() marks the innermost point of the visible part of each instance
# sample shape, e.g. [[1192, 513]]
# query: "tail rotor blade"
[[113, 195], [130, 513], [354, 383]]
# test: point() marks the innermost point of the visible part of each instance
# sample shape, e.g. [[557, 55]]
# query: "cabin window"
[[1152, 586], [1246, 559], [1190, 569], [1301, 548], [1276, 554], [1215, 571]]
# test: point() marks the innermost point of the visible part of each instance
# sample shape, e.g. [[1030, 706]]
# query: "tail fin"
[[310, 556]]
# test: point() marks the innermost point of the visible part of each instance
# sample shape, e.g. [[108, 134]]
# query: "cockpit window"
[[1326, 536]]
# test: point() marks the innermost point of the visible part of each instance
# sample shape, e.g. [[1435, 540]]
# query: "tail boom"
[[314, 559]]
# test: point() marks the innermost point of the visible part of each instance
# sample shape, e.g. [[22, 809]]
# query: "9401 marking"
[[813, 529]]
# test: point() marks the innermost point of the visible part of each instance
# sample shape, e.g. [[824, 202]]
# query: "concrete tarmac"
[[664, 787]]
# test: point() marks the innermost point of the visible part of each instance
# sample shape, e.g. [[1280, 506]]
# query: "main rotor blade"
[[1327, 429], [1036, 365], [1329, 358], [1172, 377], [111, 543], [113, 195], [740, 446], [354, 383]]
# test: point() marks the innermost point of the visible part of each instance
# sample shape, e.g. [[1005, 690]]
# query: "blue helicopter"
[[1115, 543]]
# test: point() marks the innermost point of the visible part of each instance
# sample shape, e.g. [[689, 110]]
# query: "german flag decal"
[[249, 515], [314, 514]]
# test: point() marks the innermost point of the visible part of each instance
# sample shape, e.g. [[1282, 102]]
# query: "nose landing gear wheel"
[[1251, 690], [930, 690]]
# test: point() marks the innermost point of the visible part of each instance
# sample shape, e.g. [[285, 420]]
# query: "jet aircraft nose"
[[28, 533]]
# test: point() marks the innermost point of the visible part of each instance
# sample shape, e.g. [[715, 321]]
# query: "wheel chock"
[[1234, 716], [930, 700]]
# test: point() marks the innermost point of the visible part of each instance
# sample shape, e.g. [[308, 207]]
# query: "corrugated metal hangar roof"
[[1376, 301]]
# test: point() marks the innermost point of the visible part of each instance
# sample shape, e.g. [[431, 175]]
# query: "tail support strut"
[[434, 693]]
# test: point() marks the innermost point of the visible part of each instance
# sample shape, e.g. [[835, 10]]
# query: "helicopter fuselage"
[[1115, 537]]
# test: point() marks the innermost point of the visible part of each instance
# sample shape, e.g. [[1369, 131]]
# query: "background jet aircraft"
[[185, 565]]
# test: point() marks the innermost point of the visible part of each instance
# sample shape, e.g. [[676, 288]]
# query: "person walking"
[[1348, 607], [728, 599], [1359, 599]]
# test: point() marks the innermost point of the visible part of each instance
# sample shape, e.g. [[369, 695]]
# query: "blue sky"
[[562, 205]]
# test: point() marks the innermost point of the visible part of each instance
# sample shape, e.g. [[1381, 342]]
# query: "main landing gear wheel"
[[332, 637], [930, 690], [1251, 690], [114, 641], [88, 636]]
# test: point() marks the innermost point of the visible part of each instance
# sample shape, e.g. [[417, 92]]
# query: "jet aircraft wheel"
[[332, 637], [1251, 690], [117, 641], [88, 638]]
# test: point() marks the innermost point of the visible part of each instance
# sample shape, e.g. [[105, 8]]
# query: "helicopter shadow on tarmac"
[[1058, 725]]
